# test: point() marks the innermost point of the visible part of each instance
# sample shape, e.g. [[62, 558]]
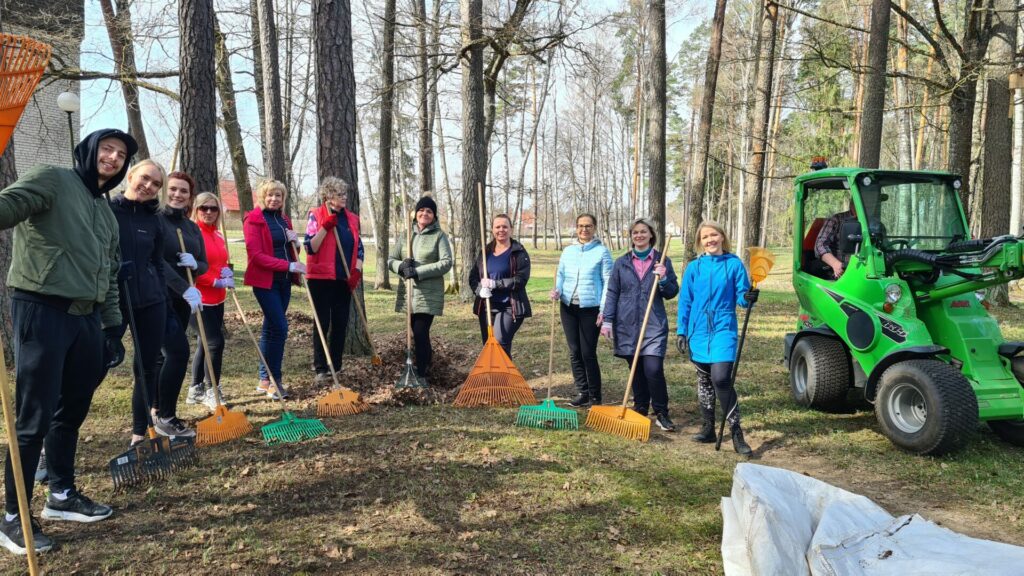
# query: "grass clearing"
[[437, 490]]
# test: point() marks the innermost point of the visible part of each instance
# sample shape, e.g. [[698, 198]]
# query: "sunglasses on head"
[[209, 209]]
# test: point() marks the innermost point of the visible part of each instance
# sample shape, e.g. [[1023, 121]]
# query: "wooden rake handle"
[[483, 250], [643, 328], [355, 299], [316, 320], [202, 328], [19, 481]]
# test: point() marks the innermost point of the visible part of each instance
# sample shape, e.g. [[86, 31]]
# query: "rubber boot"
[[739, 444], [707, 430]]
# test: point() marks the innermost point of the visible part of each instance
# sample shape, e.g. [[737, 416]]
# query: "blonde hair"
[[201, 199], [147, 162], [266, 186], [331, 186], [726, 247]]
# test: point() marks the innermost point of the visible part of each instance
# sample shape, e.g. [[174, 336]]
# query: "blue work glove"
[[194, 298], [186, 260]]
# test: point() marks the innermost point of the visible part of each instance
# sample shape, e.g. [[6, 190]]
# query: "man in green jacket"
[[64, 279]]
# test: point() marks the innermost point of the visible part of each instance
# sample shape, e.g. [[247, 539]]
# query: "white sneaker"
[[195, 395], [210, 399]]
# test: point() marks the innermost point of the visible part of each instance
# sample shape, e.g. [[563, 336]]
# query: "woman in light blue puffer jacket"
[[580, 282]]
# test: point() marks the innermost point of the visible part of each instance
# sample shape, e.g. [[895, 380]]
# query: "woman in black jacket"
[[142, 279], [508, 271]]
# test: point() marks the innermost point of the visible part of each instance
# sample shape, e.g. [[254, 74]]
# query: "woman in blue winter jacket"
[[629, 288], [713, 285], [583, 272]]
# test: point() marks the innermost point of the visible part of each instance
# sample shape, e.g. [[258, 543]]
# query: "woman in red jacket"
[[269, 241], [213, 286], [329, 285]]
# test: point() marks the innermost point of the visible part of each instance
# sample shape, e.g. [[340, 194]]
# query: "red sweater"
[[320, 264], [260, 249], [217, 258]]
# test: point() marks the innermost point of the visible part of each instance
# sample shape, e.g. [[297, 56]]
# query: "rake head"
[[341, 402], [151, 460], [547, 416], [409, 378], [619, 421], [292, 429], [223, 426], [494, 381], [22, 63]]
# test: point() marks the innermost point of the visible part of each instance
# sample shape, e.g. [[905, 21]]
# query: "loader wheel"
[[819, 373], [1011, 431], [926, 407]]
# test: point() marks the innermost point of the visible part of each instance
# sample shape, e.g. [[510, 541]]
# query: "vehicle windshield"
[[917, 211]]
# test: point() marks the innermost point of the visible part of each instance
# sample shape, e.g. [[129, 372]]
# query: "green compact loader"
[[905, 323]]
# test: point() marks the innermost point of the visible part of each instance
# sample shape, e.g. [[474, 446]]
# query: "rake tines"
[[151, 460], [547, 416], [494, 381], [223, 426], [292, 429], [619, 421], [341, 402]]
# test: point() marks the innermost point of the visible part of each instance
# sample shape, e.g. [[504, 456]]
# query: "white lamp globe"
[[68, 102]]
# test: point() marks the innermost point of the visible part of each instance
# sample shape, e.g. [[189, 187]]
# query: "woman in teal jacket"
[[713, 285], [583, 272]]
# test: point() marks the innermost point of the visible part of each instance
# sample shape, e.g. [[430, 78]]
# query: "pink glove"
[[606, 330], [488, 283], [659, 269], [555, 294], [600, 319]]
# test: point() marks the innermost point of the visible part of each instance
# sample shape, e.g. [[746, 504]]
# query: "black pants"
[[59, 363], [581, 334], [716, 380], [421, 343], [213, 322], [649, 386], [505, 327], [150, 322], [172, 363], [332, 301]]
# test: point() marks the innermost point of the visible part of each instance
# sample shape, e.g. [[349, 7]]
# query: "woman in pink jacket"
[[271, 244]]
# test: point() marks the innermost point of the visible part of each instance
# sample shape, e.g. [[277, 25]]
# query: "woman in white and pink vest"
[[329, 285]]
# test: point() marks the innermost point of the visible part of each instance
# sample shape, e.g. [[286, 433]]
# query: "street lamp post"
[[68, 102]]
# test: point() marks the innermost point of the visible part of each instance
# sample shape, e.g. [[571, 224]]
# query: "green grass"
[[439, 490]]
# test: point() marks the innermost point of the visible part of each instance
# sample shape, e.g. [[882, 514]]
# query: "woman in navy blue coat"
[[629, 288], [714, 284]]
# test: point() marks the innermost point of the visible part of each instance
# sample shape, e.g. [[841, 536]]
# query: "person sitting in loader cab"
[[827, 246]]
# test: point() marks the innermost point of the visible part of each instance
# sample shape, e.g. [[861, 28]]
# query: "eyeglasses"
[[585, 226], [209, 209]]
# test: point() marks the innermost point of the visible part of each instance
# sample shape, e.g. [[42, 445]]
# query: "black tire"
[[819, 373], [1011, 431], [926, 407]]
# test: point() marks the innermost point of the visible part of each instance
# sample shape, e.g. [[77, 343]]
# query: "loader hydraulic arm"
[[964, 266]]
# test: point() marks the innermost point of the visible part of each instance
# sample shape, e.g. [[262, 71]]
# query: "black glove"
[[751, 295], [113, 349], [682, 345], [411, 273], [126, 271], [403, 268]]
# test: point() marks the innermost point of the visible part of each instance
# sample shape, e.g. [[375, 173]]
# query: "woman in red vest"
[[329, 285], [213, 286]]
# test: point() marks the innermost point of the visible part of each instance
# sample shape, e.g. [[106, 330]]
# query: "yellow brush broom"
[[620, 420], [494, 379], [224, 425]]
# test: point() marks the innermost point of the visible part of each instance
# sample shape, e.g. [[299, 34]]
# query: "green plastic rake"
[[292, 429], [546, 415]]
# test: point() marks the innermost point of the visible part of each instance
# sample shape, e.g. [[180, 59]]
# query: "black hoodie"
[[87, 152]]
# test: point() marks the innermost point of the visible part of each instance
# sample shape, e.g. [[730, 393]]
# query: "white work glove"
[[484, 291], [554, 294], [660, 270], [226, 272], [186, 260], [291, 235], [488, 283], [224, 282], [297, 268], [194, 298]]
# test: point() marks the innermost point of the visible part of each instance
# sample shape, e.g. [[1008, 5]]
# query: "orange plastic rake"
[[494, 379], [22, 62]]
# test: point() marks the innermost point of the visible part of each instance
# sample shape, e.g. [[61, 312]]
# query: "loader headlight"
[[893, 293], [957, 184]]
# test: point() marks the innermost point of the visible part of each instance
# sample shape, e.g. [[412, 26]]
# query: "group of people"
[[87, 268]]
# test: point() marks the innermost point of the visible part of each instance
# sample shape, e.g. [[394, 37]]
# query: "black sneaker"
[[581, 401], [665, 424], [639, 410], [76, 508], [42, 476], [172, 427], [11, 536]]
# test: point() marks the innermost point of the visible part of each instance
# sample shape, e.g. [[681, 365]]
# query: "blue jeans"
[[274, 303]]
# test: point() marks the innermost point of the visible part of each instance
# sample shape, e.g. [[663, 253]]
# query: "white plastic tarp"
[[781, 522]]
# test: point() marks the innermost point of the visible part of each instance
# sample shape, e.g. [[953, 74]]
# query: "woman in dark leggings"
[[713, 285], [508, 271], [213, 285], [142, 282], [182, 299]]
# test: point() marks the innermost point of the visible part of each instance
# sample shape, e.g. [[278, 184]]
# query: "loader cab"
[[818, 201]]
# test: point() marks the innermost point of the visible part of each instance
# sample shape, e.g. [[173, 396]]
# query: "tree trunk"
[[426, 147], [257, 75], [707, 109], [901, 90], [1017, 181], [198, 97], [274, 162], [384, 126], [874, 86], [656, 115], [119, 30], [474, 143], [374, 215], [8, 174], [232, 130], [751, 231], [995, 200]]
